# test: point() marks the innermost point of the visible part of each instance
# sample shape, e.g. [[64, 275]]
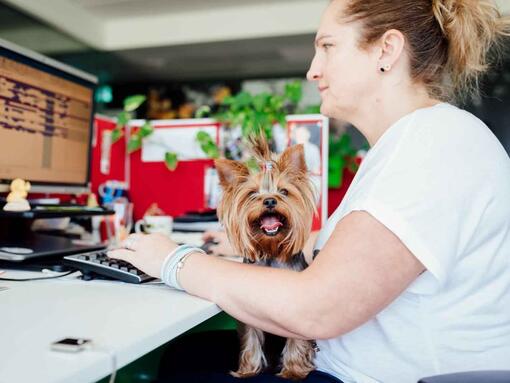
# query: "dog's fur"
[[267, 217]]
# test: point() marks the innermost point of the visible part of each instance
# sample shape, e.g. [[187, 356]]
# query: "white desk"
[[130, 320]]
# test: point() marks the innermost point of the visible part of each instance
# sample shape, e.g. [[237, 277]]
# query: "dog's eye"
[[252, 193], [284, 191]]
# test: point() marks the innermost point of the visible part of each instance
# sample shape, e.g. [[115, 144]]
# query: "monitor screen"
[[46, 116]]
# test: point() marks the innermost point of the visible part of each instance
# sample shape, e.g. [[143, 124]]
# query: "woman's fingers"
[[132, 242], [123, 254]]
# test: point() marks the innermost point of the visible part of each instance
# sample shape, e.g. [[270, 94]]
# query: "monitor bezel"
[[54, 67]]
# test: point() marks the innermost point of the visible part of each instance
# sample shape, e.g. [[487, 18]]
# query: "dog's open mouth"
[[271, 223]]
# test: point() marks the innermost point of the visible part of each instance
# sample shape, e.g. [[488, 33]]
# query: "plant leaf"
[[171, 160], [312, 109], [276, 102], [146, 129], [122, 119], [211, 150], [294, 91], [203, 137], [207, 144], [261, 101], [116, 134], [135, 143], [229, 100], [132, 103], [203, 111], [243, 99]]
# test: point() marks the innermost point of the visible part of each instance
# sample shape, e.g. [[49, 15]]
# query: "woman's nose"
[[313, 73]]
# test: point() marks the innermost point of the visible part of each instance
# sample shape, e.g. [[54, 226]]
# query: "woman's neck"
[[372, 119]]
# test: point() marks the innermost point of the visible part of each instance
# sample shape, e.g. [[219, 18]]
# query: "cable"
[[113, 359], [37, 278]]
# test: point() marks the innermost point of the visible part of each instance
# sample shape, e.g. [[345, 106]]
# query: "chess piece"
[[92, 200], [17, 198]]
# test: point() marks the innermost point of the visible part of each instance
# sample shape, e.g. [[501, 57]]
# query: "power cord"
[[37, 278], [113, 360]]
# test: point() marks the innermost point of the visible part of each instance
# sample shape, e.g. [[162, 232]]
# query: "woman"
[[413, 275]]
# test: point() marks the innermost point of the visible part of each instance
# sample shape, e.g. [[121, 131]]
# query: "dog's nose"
[[269, 203]]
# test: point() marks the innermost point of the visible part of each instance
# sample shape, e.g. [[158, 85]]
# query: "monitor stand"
[[40, 246], [22, 248]]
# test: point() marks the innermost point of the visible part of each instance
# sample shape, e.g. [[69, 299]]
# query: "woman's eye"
[[284, 191], [326, 46]]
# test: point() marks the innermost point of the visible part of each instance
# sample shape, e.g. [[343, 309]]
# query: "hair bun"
[[472, 28], [443, 13]]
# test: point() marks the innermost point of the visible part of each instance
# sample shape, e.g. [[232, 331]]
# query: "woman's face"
[[346, 75]]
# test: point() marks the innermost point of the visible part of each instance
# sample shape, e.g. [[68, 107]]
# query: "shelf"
[[56, 211]]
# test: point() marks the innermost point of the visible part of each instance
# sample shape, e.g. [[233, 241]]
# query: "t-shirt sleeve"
[[421, 195]]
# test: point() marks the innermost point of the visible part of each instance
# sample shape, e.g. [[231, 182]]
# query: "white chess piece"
[[16, 199]]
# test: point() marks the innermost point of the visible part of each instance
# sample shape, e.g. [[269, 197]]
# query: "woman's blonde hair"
[[451, 43]]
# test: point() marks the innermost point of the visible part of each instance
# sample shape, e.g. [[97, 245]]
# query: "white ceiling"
[[115, 9], [128, 24]]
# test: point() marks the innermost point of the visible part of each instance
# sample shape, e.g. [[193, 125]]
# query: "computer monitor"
[[46, 122]]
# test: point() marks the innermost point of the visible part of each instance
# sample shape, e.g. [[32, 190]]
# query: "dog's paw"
[[294, 374], [248, 368], [242, 373]]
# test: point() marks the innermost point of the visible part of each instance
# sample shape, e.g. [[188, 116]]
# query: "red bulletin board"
[[176, 192], [118, 158]]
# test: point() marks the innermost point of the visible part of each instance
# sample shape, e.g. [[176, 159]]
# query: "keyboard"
[[96, 264]]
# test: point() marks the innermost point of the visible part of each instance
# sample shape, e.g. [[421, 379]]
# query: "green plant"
[[130, 104], [137, 135], [256, 113], [341, 155]]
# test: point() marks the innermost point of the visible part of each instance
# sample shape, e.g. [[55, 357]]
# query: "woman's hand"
[[146, 252], [222, 246]]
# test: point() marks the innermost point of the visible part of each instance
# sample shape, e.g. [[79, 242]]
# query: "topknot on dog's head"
[[259, 147]]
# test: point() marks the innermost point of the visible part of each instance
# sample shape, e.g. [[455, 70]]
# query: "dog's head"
[[267, 213]]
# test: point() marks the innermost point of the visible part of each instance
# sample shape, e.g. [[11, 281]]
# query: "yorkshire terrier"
[[267, 216]]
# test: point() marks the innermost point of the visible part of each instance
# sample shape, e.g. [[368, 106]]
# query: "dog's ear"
[[230, 172], [293, 159]]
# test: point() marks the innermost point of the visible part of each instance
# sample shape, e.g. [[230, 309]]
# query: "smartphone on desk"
[[71, 344]]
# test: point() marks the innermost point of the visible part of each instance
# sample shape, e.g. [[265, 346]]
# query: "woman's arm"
[[362, 268]]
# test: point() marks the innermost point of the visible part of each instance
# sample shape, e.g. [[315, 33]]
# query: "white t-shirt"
[[440, 181]]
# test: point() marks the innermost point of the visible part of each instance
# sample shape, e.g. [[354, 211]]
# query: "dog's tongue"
[[270, 222]]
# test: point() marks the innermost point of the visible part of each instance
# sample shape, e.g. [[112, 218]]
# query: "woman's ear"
[[391, 45], [230, 172]]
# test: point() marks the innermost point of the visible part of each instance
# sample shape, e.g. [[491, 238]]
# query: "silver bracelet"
[[168, 259], [174, 263]]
